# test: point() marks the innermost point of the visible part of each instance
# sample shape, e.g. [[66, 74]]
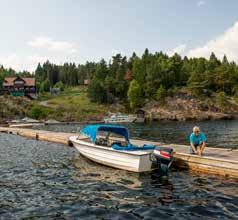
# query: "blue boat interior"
[[131, 147]]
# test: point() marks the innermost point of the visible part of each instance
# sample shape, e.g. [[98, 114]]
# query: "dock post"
[[37, 136]]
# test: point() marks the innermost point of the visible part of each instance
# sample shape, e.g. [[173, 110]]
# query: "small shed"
[[140, 115]]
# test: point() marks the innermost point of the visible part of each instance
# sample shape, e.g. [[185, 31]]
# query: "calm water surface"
[[40, 180]]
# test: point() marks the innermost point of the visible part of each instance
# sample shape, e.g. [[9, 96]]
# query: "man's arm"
[[193, 147], [192, 143]]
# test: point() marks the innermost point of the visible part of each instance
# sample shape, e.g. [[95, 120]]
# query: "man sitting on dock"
[[197, 141]]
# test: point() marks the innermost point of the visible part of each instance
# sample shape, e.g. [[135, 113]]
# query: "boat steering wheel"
[[101, 141]]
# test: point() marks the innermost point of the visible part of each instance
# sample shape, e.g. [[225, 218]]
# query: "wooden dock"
[[223, 162]]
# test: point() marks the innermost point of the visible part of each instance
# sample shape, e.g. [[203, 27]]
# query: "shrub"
[[37, 112], [208, 103], [221, 101], [59, 85]]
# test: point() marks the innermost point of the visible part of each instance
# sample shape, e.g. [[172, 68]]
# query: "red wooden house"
[[19, 86]]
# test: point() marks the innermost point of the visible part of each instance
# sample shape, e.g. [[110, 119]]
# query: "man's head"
[[196, 130]]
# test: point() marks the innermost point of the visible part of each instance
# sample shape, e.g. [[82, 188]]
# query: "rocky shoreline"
[[184, 107], [162, 114]]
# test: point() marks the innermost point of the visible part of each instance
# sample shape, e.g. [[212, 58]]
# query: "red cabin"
[[19, 86]]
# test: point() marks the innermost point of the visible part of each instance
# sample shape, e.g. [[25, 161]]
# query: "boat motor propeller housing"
[[164, 157]]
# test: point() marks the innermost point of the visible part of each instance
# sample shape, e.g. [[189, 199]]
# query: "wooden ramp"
[[217, 161]]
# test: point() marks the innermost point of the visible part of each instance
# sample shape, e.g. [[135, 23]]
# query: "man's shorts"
[[191, 149]]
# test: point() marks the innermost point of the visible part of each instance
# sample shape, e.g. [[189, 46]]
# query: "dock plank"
[[219, 161]]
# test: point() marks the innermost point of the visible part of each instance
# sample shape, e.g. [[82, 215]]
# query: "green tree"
[[45, 86], [161, 94], [139, 70], [38, 87], [186, 70], [213, 62], [97, 92], [101, 70], [135, 95], [40, 73]]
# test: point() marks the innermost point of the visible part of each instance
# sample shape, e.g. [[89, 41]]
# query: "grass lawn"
[[72, 105]]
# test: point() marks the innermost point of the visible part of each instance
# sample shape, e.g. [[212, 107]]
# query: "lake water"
[[219, 133], [40, 180]]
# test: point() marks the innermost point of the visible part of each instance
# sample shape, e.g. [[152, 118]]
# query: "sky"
[[33, 31]]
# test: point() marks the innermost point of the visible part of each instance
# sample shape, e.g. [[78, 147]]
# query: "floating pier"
[[219, 161]]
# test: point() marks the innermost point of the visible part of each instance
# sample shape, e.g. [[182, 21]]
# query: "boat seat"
[[101, 142], [119, 143]]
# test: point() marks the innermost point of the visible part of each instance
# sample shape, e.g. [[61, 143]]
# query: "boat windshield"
[[92, 131], [107, 139]]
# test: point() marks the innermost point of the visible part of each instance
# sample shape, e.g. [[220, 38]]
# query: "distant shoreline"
[[74, 106]]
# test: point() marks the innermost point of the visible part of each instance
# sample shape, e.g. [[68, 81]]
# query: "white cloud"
[[20, 63], [179, 50], [52, 45], [30, 62], [227, 44], [10, 61], [57, 52], [201, 3]]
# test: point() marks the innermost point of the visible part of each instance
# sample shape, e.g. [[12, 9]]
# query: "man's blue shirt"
[[196, 140]]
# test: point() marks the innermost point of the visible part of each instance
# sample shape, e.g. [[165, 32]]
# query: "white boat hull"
[[136, 161], [129, 120], [119, 118]]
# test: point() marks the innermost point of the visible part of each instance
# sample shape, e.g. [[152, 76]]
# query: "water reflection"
[[89, 170]]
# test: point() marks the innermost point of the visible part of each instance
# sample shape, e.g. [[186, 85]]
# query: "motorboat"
[[24, 123], [110, 145], [120, 118]]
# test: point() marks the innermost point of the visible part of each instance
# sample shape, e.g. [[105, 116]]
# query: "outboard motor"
[[164, 157]]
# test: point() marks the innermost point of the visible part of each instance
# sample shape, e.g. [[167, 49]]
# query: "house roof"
[[9, 81]]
